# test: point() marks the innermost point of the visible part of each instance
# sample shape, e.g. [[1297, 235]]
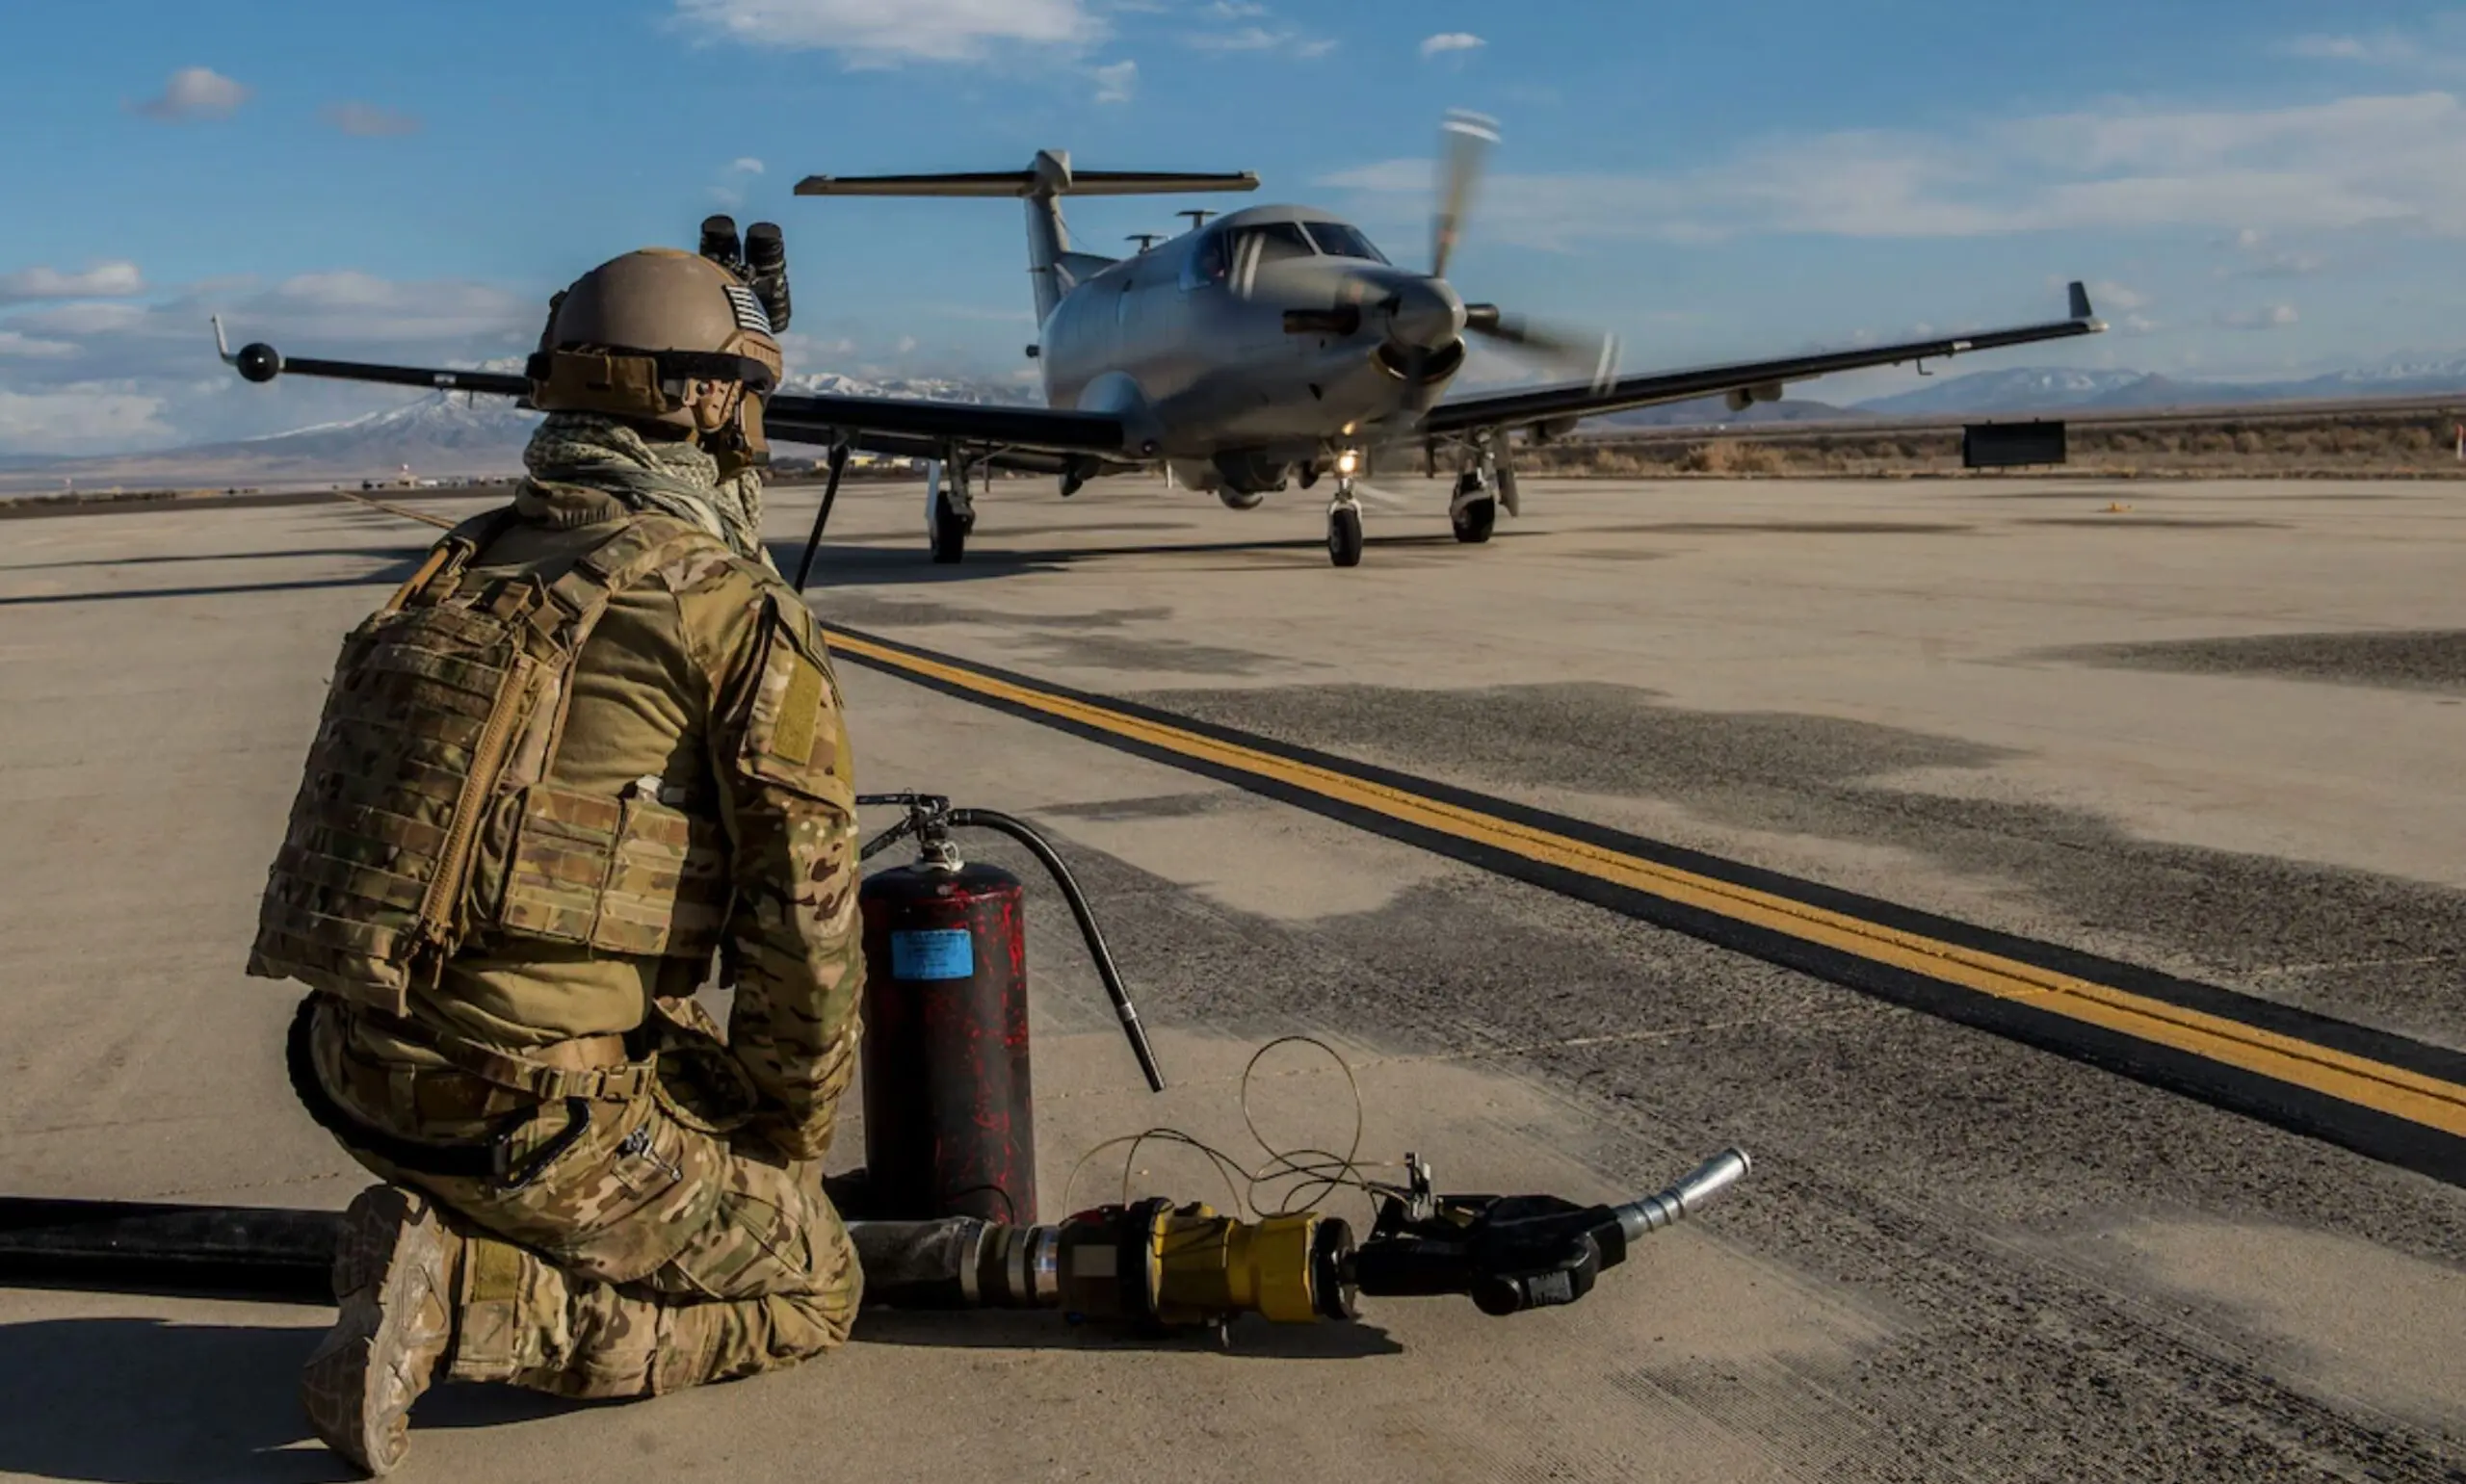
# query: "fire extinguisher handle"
[[1043, 851]]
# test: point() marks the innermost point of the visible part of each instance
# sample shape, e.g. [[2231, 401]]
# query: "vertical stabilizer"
[[1051, 265]]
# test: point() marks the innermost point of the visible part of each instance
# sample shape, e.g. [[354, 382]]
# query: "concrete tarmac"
[[2217, 733]]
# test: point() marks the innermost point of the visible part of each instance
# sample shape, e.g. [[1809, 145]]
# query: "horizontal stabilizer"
[[1046, 181]]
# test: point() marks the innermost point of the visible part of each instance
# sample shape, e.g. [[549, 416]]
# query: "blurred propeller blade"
[[1465, 141], [1589, 354]]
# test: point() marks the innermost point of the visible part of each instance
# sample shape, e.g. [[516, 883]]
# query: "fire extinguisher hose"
[[1037, 846]]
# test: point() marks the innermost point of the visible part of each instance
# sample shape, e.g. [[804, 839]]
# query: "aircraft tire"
[[949, 535], [1242, 498], [1474, 521], [1344, 537]]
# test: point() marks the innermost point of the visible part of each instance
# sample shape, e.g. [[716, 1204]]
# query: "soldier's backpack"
[[440, 727]]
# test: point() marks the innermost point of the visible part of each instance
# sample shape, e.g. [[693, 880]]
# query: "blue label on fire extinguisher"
[[942, 954]]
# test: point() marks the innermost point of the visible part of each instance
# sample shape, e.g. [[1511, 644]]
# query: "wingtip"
[[2081, 309]]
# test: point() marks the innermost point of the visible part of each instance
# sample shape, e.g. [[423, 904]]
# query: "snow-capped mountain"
[[2023, 388], [831, 383], [2045, 389]]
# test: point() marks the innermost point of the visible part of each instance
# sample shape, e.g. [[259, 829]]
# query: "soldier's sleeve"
[[780, 753]]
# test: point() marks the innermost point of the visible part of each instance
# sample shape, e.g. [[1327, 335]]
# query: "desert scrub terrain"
[[2411, 445]]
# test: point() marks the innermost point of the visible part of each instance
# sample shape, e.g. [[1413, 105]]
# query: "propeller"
[[1465, 142]]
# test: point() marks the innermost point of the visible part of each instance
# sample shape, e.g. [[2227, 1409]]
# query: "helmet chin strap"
[[728, 442]]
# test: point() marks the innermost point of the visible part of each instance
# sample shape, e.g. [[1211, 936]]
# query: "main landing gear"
[[1472, 511], [950, 513]]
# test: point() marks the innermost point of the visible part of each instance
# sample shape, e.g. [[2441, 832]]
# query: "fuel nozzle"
[[1518, 1252]]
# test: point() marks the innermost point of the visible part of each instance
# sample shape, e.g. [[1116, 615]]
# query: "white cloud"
[[2259, 257], [82, 318], [27, 346], [2335, 48], [1115, 80], [2109, 294], [907, 343], [1248, 38], [196, 92], [2358, 162], [113, 279], [729, 192], [885, 32], [2272, 317], [1261, 39], [1235, 10], [80, 419], [2138, 324], [1450, 41], [369, 122]]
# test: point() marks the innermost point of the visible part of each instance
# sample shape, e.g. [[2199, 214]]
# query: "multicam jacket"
[[695, 793]]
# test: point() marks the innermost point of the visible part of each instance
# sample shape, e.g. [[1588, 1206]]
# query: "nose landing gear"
[[1344, 515]]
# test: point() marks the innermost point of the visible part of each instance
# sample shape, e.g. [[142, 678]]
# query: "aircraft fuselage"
[[1191, 340]]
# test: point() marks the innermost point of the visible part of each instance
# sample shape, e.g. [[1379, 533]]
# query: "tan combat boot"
[[394, 1281]]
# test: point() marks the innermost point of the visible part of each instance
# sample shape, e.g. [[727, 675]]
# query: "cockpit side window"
[[1211, 260], [1339, 241]]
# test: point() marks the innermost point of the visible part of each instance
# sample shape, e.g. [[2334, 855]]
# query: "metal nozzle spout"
[[1641, 1217]]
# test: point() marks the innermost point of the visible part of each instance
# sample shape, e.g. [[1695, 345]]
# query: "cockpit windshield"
[[1225, 251], [1339, 241]]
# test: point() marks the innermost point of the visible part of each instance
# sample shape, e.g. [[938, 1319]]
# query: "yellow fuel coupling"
[[1158, 1264]]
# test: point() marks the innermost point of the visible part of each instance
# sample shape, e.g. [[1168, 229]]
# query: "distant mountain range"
[[2042, 389], [448, 437]]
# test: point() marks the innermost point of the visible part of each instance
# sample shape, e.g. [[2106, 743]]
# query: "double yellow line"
[[2430, 1103]]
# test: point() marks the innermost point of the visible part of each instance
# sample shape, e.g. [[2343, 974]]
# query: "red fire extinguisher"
[[950, 1122]]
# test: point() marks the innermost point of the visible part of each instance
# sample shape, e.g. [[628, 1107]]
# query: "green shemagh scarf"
[[673, 477]]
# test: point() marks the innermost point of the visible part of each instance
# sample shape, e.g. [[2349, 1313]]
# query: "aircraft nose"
[[1427, 314]]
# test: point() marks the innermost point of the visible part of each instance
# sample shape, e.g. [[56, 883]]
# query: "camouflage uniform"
[[671, 1242]]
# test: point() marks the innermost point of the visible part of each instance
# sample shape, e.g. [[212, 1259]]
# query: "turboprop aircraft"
[[1269, 346]]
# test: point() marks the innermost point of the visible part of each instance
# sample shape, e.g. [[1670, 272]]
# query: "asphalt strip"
[[2385, 1096]]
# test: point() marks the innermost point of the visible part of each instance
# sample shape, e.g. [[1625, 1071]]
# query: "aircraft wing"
[[924, 426], [1756, 380]]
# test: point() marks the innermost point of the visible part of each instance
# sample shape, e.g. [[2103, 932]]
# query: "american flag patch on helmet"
[[748, 309]]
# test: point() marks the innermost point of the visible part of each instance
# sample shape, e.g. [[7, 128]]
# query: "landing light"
[[1346, 462]]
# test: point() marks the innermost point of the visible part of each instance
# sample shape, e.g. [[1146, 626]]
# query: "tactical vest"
[[439, 733]]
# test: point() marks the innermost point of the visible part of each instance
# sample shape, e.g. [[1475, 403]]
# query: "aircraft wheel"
[[1242, 498], [1344, 537], [1473, 522], [949, 535]]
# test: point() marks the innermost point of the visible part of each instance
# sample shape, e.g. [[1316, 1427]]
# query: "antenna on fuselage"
[[1145, 240], [1198, 217]]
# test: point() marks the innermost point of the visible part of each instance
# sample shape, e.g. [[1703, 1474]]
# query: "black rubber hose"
[[1018, 830], [288, 1255]]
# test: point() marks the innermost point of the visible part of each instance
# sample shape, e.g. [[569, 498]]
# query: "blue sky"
[[2258, 189]]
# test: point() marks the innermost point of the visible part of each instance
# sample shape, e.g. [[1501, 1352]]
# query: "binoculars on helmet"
[[760, 259]]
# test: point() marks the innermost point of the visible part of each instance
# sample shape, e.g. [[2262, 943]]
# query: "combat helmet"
[[631, 338]]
